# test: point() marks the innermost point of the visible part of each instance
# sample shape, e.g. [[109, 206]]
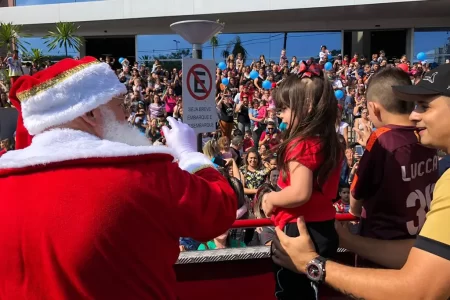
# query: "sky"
[[301, 44]]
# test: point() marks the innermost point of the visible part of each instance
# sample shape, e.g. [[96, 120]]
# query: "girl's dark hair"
[[257, 205], [237, 187], [313, 107]]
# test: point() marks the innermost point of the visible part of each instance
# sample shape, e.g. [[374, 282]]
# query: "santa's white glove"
[[181, 138]]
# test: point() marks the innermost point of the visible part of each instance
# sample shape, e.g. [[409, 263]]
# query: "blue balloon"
[[421, 56], [328, 66], [330, 57], [254, 74], [225, 81], [339, 94], [222, 65], [121, 60], [267, 85]]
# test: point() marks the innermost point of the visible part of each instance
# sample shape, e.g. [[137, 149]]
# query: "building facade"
[[366, 26]]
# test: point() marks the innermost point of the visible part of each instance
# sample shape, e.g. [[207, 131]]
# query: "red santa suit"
[[86, 218]]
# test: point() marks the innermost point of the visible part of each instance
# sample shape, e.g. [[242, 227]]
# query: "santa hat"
[[60, 94]]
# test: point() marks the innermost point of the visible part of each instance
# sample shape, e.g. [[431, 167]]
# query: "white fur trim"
[[194, 162], [71, 98], [58, 145]]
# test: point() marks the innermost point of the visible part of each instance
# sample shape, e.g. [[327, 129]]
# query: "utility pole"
[[176, 44]]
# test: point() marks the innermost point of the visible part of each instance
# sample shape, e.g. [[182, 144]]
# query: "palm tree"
[[64, 36], [214, 41], [35, 56], [10, 35], [226, 52], [146, 59], [234, 47], [238, 48]]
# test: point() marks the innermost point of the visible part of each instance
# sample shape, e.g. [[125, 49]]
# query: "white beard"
[[116, 131]]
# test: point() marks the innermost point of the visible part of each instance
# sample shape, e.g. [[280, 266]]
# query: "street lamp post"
[[197, 32], [176, 44]]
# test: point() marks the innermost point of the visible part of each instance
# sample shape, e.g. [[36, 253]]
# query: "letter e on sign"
[[199, 82]]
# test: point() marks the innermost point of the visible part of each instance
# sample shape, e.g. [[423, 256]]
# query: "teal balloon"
[[222, 65], [121, 60], [421, 56], [328, 66], [339, 94], [225, 81], [254, 74], [267, 85]]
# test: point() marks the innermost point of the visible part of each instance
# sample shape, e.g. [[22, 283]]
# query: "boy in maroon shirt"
[[396, 175]]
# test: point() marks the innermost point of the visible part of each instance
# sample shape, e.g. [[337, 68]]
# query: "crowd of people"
[[350, 150], [249, 129]]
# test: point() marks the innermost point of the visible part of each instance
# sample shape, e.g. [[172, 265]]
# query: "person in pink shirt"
[[262, 110], [171, 100]]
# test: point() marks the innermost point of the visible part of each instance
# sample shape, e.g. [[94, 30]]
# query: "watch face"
[[314, 272]]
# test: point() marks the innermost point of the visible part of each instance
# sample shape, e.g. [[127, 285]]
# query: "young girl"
[[309, 160]]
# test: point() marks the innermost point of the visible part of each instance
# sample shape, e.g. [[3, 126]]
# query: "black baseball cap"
[[434, 83]]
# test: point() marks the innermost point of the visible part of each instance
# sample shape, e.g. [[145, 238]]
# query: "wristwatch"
[[315, 269]]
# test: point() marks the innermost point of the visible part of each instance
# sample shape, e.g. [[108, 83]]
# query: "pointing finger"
[[172, 122], [166, 131]]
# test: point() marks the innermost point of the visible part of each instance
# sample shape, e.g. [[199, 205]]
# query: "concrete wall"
[[127, 9], [140, 17]]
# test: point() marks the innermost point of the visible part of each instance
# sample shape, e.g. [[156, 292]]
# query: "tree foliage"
[[235, 47], [64, 36], [214, 41], [171, 60], [335, 52], [35, 56], [145, 60], [10, 35]]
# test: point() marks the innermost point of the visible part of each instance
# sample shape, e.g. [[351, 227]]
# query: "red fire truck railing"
[[201, 274], [268, 222]]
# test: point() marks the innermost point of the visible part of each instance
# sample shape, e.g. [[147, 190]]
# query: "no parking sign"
[[199, 104]]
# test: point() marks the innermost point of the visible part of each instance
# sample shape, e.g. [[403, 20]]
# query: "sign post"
[[199, 107], [199, 103]]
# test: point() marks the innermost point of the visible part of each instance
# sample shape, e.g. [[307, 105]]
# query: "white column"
[[136, 53], [357, 42], [410, 44]]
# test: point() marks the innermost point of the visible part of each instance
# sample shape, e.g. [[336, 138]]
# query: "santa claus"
[[90, 210]]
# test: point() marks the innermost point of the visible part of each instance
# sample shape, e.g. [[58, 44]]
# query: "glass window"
[[434, 43], [303, 45]]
